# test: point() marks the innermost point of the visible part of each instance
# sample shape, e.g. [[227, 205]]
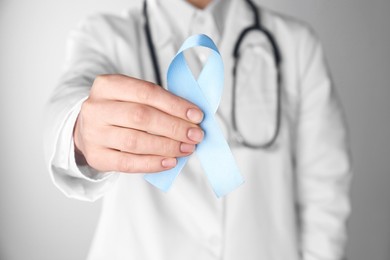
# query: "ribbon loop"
[[214, 153]]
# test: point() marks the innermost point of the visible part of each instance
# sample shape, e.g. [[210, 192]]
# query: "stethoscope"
[[256, 26]]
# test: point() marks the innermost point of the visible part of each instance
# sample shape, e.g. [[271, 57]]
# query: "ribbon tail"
[[217, 159]]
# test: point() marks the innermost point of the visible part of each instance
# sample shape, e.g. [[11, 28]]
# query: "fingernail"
[[194, 115], [187, 148], [195, 134], [169, 162]]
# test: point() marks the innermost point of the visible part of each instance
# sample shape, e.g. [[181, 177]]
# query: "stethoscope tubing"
[[256, 26], [152, 48]]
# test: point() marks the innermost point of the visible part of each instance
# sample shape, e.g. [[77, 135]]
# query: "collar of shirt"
[[172, 21], [185, 19]]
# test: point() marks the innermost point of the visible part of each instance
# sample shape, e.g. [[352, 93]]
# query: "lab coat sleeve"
[[322, 158], [86, 58]]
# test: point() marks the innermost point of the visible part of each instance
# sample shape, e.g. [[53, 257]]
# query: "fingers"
[[151, 120], [111, 160], [137, 142], [123, 88], [130, 125]]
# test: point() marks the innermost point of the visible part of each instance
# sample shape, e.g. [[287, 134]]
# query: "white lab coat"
[[294, 202]]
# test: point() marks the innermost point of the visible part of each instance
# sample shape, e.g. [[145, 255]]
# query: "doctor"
[[107, 122]]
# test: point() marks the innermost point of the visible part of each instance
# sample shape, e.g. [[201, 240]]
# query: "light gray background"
[[37, 222]]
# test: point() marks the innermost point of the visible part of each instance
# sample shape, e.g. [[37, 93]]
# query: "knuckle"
[[145, 92], [175, 103], [131, 143], [91, 108], [81, 128], [170, 148], [125, 163], [86, 106], [140, 114], [99, 81], [92, 158], [102, 81], [85, 133], [147, 166], [175, 128], [100, 78], [87, 119]]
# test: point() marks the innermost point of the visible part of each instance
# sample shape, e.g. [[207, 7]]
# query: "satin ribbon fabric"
[[213, 152]]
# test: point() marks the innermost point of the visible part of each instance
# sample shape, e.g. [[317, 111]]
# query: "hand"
[[130, 125]]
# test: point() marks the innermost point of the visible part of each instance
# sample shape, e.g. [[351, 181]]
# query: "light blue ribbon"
[[213, 152]]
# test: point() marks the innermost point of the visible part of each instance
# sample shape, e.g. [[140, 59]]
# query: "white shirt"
[[294, 202]]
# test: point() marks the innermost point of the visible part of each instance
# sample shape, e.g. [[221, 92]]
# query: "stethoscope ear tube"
[[256, 26], [151, 47]]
